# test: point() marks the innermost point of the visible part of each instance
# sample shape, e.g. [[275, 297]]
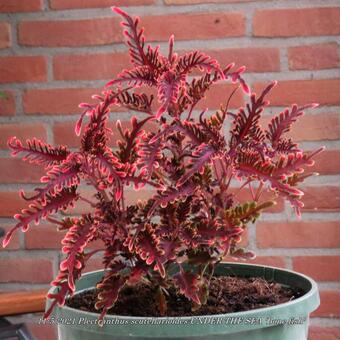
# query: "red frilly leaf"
[[188, 283]]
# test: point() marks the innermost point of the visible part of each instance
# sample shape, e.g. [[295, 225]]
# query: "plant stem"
[[259, 192]]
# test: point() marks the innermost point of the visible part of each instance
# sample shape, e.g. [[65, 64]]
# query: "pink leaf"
[[150, 154], [147, 247], [188, 284], [37, 211], [196, 59], [170, 195], [202, 156], [136, 41], [38, 152], [168, 90], [282, 123], [109, 289], [74, 243], [138, 76]]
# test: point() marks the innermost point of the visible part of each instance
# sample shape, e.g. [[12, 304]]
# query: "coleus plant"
[[196, 216]]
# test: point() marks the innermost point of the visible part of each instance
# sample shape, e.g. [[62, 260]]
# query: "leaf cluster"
[[195, 215]]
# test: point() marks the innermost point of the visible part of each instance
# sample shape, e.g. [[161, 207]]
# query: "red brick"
[[14, 170], [43, 237], [219, 94], [190, 2], [66, 4], [274, 261], [327, 163], [312, 127], [297, 22], [48, 237], [86, 67], [7, 104], [24, 269], [57, 101], [324, 333], [86, 32], [323, 126], [330, 306], [11, 204], [12, 6], [5, 35], [64, 132], [313, 57], [321, 268], [256, 59], [311, 234], [324, 198], [15, 242], [202, 26], [21, 69], [107, 30], [322, 91], [21, 131]]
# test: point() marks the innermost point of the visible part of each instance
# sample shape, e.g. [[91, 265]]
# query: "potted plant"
[[167, 251]]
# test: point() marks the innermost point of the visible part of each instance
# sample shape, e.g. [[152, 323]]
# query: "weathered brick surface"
[[256, 59], [55, 54], [5, 35], [192, 2], [21, 131], [47, 101], [313, 127], [297, 22], [13, 170], [7, 105], [65, 4], [330, 306], [15, 242], [202, 25], [87, 32], [85, 67], [325, 198], [21, 69], [23, 269], [313, 57], [11, 203], [306, 234], [323, 268], [321, 91], [324, 333], [15, 6]]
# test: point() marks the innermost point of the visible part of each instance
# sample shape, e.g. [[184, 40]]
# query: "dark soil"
[[226, 295]]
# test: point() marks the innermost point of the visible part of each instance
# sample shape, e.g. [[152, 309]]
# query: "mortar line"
[[180, 45], [159, 8]]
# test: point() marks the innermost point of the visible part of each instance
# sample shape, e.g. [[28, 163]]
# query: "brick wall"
[[55, 54]]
